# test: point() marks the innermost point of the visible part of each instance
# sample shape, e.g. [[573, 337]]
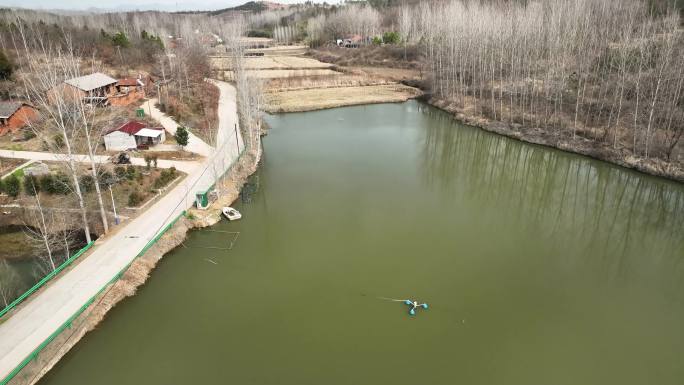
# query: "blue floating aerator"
[[414, 305]]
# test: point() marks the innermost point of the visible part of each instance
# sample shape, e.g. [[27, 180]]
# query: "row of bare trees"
[[607, 70], [248, 88]]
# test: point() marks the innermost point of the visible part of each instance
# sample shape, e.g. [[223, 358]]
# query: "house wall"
[[119, 141], [64, 91], [19, 120]]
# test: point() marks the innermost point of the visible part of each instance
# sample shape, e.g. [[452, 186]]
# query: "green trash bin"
[[140, 113], [201, 200]]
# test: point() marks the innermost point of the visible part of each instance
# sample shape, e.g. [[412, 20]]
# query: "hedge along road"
[[46, 312]]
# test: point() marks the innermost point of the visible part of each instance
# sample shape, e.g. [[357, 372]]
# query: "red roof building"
[[132, 127], [134, 134]]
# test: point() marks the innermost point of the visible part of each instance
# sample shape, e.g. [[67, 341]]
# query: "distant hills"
[[251, 6]]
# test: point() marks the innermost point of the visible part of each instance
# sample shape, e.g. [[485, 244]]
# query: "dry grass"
[[281, 50], [9, 164], [370, 56], [322, 98], [269, 63], [324, 81]]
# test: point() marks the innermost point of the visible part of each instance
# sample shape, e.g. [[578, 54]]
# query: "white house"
[[133, 135]]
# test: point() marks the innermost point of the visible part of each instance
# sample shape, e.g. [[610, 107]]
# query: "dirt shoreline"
[[579, 145], [140, 269], [138, 272]]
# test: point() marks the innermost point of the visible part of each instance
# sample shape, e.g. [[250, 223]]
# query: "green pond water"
[[540, 267]]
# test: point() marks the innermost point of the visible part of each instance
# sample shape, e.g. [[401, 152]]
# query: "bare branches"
[[570, 67]]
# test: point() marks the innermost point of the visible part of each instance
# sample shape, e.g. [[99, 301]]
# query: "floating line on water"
[[391, 299], [211, 261]]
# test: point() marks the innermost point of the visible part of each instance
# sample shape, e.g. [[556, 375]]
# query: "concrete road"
[[185, 166], [195, 144], [44, 313]]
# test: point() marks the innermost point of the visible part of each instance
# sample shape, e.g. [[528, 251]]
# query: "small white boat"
[[231, 213]]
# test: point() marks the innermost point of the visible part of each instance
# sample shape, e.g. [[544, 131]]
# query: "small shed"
[[150, 136], [15, 115], [119, 141], [132, 135], [123, 138]]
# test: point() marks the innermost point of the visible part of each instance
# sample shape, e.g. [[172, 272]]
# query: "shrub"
[[391, 38], [58, 140], [135, 198], [87, 183], [259, 33], [165, 177], [106, 179], [121, 40], [47, 184], [12, 186], [62, 184], [120, 172], [31, 185], [376, 40], [29, 134], [130, 172]]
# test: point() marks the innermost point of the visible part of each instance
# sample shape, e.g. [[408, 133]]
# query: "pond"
[[540, 267]]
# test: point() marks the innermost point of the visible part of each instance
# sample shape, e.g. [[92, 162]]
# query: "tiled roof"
[[132, 127], [8, 109]]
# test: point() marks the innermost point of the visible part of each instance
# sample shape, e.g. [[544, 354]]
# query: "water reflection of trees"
[[629, 221]]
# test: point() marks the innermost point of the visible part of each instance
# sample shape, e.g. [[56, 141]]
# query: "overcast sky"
[[165, 5]]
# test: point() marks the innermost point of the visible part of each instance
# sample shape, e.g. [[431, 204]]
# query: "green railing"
[[44, 280], [80, 311], [67, 324]]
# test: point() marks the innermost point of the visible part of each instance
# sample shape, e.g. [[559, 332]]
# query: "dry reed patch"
[[322, 98]]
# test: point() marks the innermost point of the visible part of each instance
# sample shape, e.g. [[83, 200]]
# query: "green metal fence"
[[80, 311], [45, 280], [68, 323]]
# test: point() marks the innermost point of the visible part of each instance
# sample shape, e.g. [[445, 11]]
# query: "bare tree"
[[9, 282], [65, 114]]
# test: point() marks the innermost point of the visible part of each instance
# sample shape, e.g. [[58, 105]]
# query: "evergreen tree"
[[12, 186], [182, 136], [31, 185]]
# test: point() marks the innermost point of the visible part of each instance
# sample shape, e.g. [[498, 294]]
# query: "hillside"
[[250, 6]]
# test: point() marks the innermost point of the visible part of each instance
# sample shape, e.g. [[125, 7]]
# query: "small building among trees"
[[128, 91], [133, 135], [15, 115], [94, 89]]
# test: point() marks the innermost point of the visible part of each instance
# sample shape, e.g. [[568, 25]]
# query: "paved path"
[[45, 312], [185, 166], [195, 144]]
